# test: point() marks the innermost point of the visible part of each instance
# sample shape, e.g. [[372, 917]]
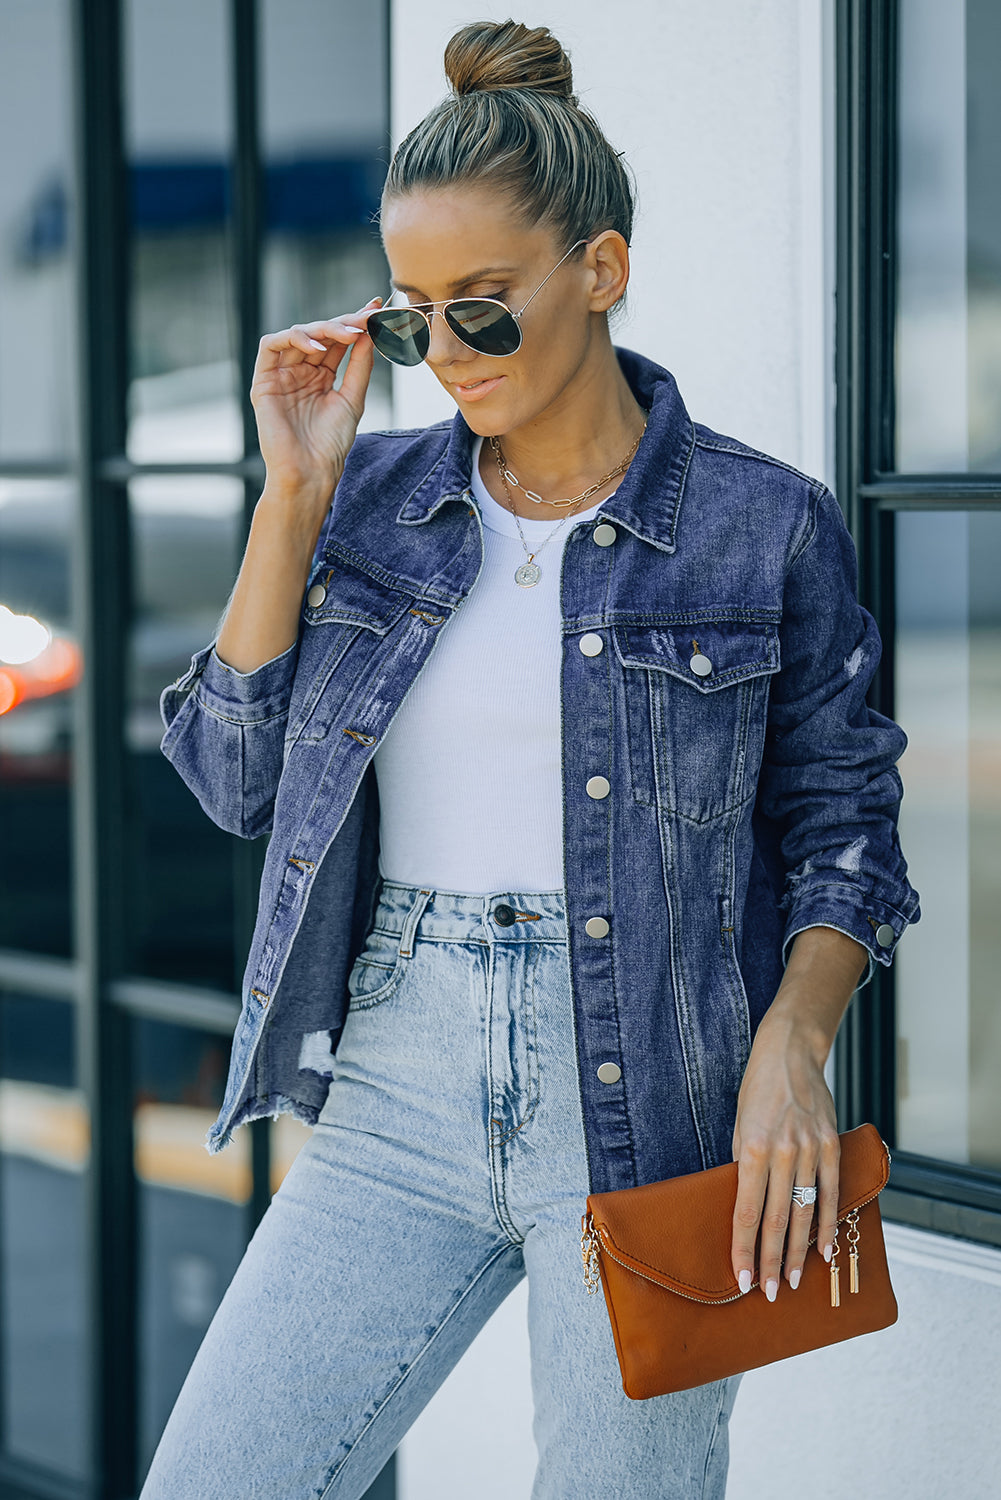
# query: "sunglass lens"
[[399, 333], [485, 326]]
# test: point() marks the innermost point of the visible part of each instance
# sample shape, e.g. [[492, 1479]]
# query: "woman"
[[582, 833]]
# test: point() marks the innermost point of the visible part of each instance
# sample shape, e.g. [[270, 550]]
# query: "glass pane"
[[948, 353], [186, 541], [183, 401], [37, 313], [948, 699], [192, 1207], [325, 152], [44, 1153], [39, 665]]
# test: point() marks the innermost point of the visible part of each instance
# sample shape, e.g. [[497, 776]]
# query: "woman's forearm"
[[821, 974], [262, 617]]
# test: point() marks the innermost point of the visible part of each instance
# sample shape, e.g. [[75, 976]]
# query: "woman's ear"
[[608, 258]]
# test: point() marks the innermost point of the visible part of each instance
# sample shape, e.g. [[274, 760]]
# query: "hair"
[[513, 122]]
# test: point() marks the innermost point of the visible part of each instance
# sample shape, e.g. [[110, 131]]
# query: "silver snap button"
[[596, 927], [591, 644], [604, 534], [609, 1073], [700, 665], [316, 595], [598, 786], [885, 935]]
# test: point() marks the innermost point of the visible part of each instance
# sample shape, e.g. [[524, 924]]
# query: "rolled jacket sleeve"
[[225, 736], [829, 780]]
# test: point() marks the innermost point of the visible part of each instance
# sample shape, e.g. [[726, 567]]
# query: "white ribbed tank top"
[[470, 791]]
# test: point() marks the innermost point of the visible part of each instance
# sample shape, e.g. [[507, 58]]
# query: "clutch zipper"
[[592, 1238]]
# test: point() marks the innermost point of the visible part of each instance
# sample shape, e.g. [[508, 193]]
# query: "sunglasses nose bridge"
[[444, 343]]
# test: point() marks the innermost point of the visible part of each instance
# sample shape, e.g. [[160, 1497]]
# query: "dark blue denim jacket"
[[751, 796]]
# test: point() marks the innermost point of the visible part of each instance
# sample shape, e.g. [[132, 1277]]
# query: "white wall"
[[725, 109]]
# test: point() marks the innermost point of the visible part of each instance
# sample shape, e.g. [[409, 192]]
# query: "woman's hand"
[[305, 426], [786, 1130]]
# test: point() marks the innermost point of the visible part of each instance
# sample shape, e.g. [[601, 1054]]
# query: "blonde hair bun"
[[491, 55]]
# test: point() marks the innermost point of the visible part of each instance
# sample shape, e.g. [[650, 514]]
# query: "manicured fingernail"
[[828, 1251], [771, 1289], [794, 1278], [318, 345], [349, 329], [744, 1281]]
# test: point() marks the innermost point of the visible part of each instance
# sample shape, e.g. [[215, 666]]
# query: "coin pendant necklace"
[[529, 572]]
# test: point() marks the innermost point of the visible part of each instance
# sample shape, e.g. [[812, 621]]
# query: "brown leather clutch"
[[679, 1319]]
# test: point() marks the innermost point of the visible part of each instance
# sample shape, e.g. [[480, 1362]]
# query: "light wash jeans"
[[447, 1163]]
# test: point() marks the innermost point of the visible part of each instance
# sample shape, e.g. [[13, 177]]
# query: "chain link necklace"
[[529, 572]]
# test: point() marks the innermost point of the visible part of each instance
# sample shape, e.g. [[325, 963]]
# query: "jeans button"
[[885, 935], [503, 914], [609, 1073], [596, 927]]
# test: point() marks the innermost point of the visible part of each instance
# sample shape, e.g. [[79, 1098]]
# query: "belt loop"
[[410, 925]]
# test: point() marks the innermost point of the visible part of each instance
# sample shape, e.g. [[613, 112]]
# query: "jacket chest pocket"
[[346, 616], [695, 702]]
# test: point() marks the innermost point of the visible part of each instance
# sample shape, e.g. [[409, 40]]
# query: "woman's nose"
[[445, 348]]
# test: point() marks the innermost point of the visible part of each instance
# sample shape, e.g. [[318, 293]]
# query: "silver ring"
[[804, 1196]]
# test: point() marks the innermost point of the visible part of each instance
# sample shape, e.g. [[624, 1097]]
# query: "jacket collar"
[[648, 499]]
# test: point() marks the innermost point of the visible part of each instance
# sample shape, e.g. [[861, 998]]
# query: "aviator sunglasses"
[[403, 334]]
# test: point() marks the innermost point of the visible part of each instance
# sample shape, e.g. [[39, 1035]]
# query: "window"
[[919, 460], [192, 181]]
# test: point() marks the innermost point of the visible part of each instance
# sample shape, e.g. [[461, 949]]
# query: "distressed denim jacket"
[[752, 791]]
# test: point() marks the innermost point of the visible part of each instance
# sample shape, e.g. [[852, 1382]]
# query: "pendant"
[[528, 574]]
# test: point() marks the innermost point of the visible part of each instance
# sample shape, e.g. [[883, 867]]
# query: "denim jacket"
[[751, 792]]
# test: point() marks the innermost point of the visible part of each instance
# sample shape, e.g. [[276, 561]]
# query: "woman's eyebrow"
[[457, 286]]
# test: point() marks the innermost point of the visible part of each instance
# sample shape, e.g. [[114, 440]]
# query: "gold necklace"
[[529, 573]]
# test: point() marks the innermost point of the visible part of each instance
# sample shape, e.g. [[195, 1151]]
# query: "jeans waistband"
[[499, 917]]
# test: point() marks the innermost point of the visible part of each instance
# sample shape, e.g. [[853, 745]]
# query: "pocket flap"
[[725, 649], [678, 1233], [352, 597]]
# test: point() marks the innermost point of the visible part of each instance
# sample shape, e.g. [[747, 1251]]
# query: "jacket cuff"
[[873, 923], [243, 697]]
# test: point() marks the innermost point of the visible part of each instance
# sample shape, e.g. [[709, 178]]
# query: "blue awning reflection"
[[301, 195]]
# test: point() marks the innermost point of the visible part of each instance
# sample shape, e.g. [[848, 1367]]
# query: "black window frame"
[[95, 981], [951, 1199]]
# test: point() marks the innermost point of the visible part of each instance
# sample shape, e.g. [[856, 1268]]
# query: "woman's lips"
[[476, 392]]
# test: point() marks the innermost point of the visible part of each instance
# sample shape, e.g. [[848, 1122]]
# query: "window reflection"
[[183, 401], [186, 542], [324, 155], [948, 354], [40, 664], [37, 315], [948, 699], [44, 1151], [192, 1207]]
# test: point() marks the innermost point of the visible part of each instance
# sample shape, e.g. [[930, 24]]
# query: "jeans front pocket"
[[377, 971]]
